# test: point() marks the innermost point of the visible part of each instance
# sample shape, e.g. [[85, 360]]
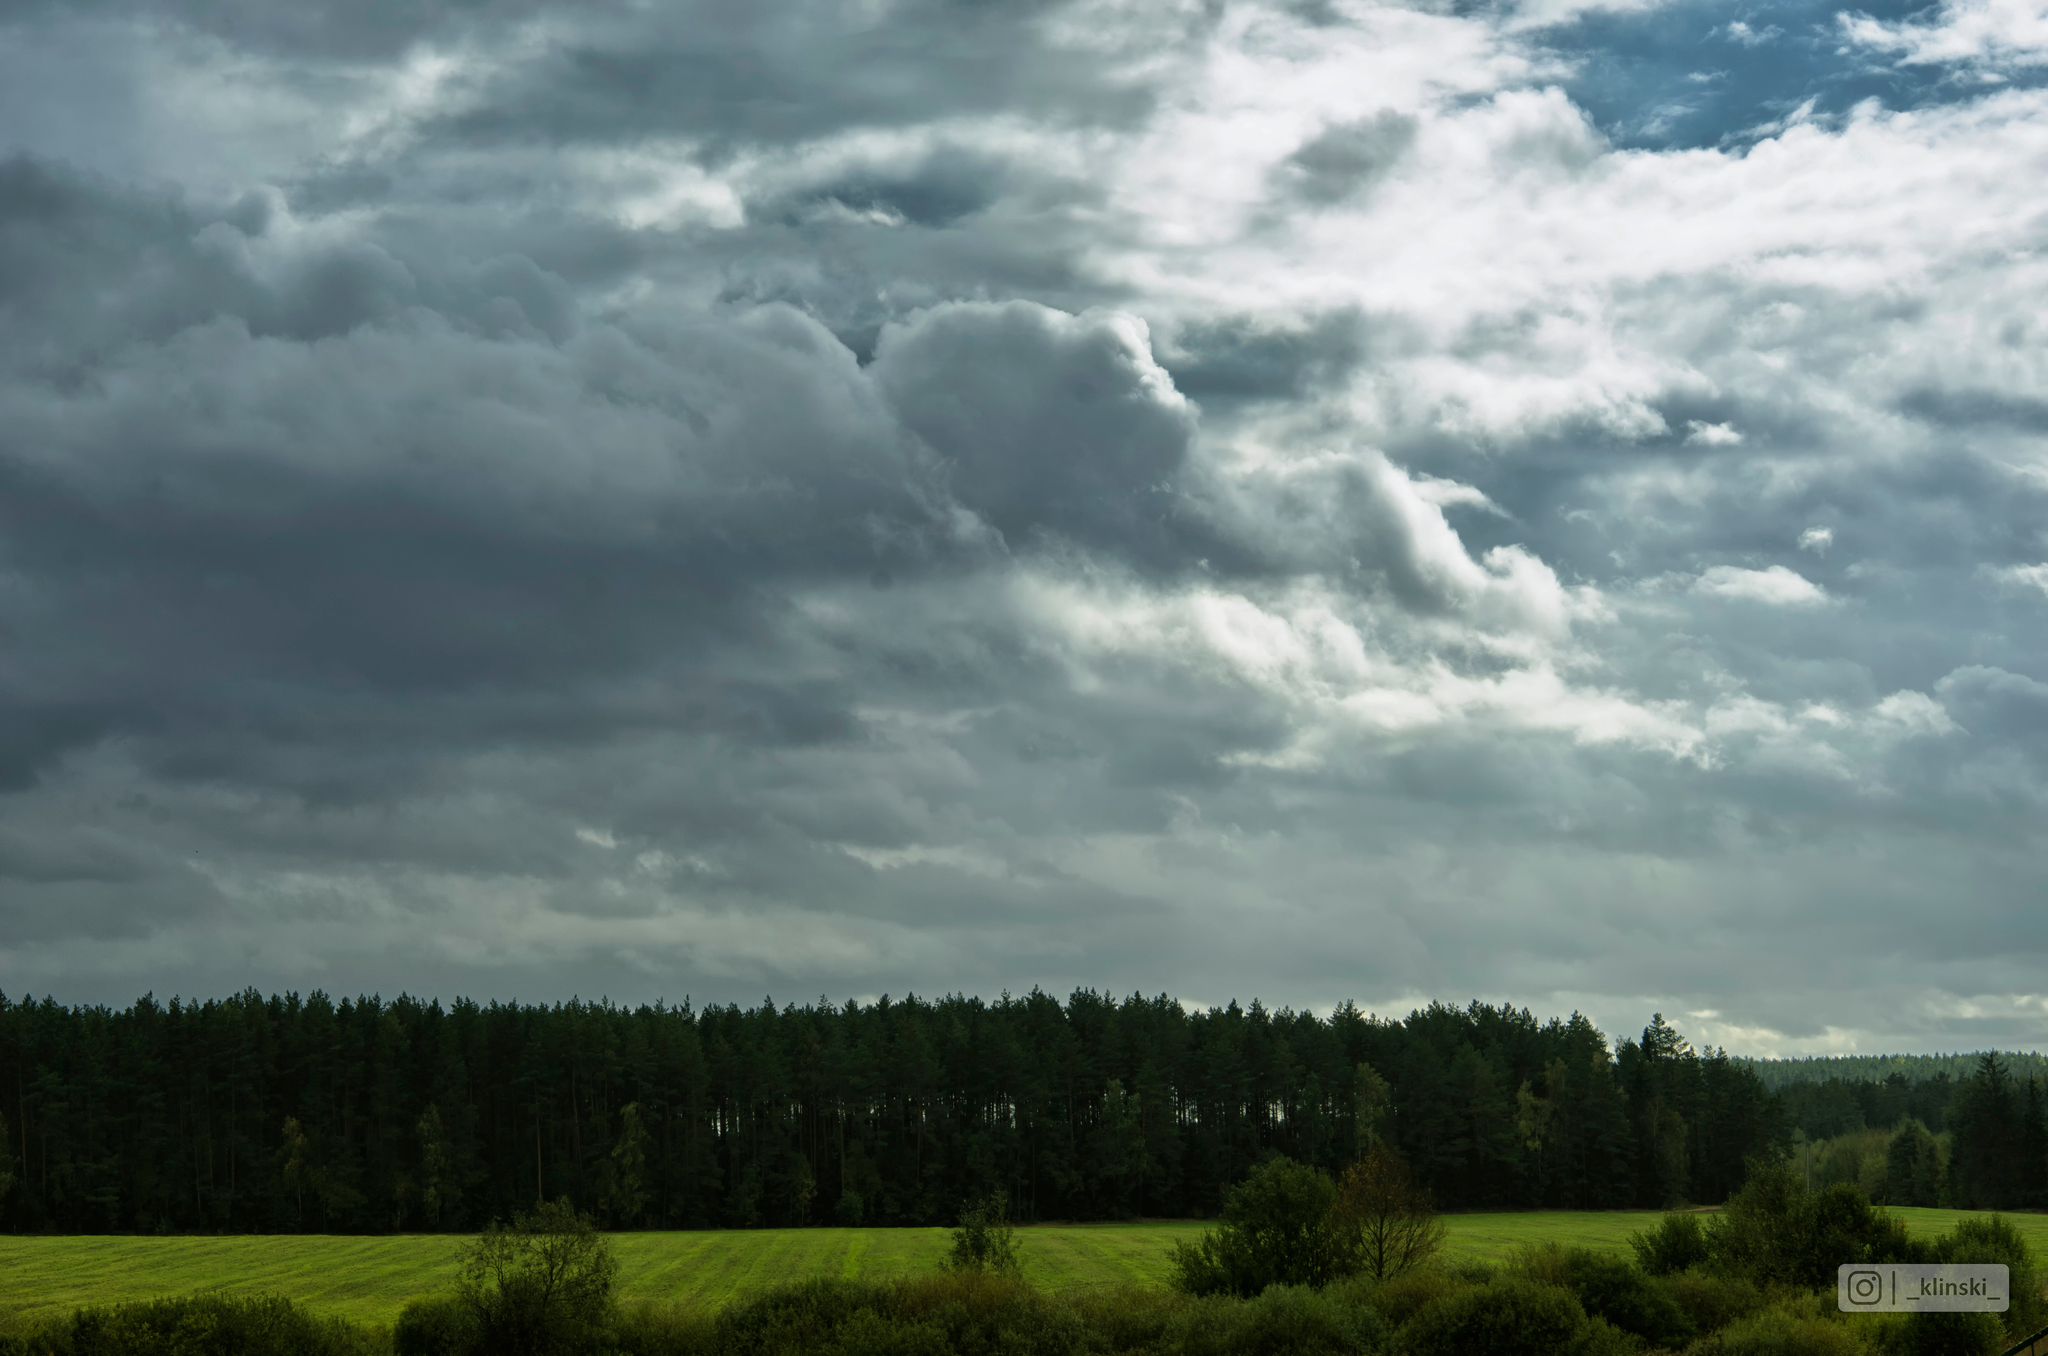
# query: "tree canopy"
[[283, 1112]]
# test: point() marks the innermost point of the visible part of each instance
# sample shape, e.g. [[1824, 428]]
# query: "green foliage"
[[1912, 1174], [1951, 1335], [1710, 1302], [623, 1195], [1678, 1242], [541, 1286], [440, 1325], [197, 1325], [1277, 1228], [1775, 1231], [1401, 1298], [1792, 1327], [1510, 1317], [1996, 1240], [283, 1113], [1609, 1288], [1859, 1158], [985, 1241]]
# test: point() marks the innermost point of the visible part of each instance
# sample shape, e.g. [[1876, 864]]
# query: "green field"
[[370, 1279]]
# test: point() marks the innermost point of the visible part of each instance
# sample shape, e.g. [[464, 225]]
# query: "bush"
[[984, 1241], [1996, 1240], [440, 1326], [1278, 1228], [1292, 1320], [1711, 1301], [541, 1286], [1775, 1231], [207, 1325], [1511, 1317], [1791, 1328], [1677, 1243], [1611, 1289], [1402, 1297], [956, 1311], [1951, 1335]]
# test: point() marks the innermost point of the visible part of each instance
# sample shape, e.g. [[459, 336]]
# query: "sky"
[[1297, 499]]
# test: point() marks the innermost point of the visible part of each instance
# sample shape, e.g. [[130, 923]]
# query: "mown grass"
[[369, 1280]]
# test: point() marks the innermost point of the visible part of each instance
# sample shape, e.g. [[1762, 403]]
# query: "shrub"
[[1951, 1335], [1775, 1231], [662, 1330], [1609, 1288], [1792, 1328], [956, 1311], [1400, 1298], [1996, 1240], [1678, 1242], [439, 1326], [984, 1241], [209, 1325], [1711, 1301], [1511, 1317], [1290, 1320], [1277, 1228], [541, 1286]]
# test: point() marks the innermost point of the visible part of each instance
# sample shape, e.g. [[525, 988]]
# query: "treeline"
[[1780, 1074], [284, 1113], [1844, 1106], [1980, 1143]]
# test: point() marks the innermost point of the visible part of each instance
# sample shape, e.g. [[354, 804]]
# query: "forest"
[[287, 1113]]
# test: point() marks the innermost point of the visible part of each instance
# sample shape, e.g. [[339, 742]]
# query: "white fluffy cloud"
[[1775, 587]]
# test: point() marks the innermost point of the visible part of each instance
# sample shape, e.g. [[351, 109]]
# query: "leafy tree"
[[1382, 1219], [540, 1286], [1678, 1242], [1279, 1227], [1776, 1231], [985, 1241]]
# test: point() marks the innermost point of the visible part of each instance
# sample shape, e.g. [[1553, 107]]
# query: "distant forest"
[[286, 1113], [1785, 1073]]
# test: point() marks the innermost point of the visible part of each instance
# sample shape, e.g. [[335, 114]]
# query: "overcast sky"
[[1307, 500]]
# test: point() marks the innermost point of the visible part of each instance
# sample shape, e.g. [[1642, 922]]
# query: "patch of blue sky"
[[1710, 73]]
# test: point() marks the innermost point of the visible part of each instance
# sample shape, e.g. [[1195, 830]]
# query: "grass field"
[[370, 1279]]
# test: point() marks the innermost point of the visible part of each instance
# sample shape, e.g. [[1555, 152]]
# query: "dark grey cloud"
[[1225, 498]]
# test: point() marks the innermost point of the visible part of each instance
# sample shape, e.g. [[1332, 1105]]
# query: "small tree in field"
[[1278, 1227], [985, 1241], [539, 1286], [1388, 1223]]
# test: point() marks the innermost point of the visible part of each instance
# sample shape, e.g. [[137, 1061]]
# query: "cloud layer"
[[1308, 500]]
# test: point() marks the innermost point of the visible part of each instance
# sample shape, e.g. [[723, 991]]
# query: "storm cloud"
[[1542, 502]]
